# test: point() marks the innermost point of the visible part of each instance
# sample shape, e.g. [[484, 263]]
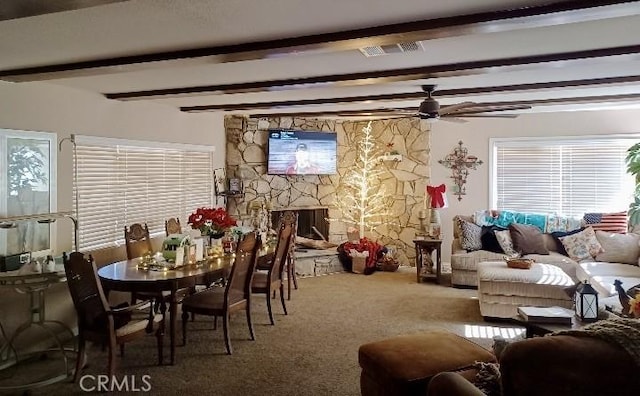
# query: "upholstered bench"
[[501, 290], [404, 365]]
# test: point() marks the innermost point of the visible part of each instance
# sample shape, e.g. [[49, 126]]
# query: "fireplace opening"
[[312, 223]]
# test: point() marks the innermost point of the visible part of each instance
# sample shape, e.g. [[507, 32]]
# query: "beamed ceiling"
[[346, 58]]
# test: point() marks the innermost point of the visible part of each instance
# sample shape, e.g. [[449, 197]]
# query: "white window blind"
[[124, 182], [564, 176]]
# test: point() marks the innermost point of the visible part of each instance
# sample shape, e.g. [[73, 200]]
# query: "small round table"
[[35, 285]]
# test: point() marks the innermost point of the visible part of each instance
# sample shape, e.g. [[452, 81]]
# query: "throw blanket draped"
[[623, 332], [545, 222]]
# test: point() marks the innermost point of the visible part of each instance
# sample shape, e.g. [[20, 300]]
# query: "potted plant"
[[633, 167], [212, 222]]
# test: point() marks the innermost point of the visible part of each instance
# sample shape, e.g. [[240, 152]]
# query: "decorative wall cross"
[[460, 163]]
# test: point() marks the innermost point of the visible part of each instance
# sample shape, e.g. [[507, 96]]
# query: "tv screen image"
[[301, 153]]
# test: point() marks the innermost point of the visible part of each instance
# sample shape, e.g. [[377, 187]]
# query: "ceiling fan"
[[430, 109]]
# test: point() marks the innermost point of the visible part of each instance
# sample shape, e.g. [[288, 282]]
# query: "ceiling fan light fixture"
[[428, 116], [429, 109]]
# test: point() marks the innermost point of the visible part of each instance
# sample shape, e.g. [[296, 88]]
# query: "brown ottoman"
[[404, 365]]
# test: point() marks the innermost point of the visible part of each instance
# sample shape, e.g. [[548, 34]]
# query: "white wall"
[[476, 133], [51, 108]]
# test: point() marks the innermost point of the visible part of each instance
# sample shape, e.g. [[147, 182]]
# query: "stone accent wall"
[[405, 180]]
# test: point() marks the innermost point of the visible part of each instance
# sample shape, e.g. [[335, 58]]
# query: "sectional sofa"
[[617, 259]]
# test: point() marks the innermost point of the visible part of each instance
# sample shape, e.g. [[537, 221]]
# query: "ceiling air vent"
[[411, 46]]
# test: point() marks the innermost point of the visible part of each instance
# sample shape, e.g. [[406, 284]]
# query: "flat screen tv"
[[301, 152]]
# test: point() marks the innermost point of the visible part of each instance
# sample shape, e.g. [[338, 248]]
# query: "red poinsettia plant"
[[213, 222]]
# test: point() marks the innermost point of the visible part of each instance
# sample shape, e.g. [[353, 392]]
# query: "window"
[[27, 180], [567, 176], [121, 182]]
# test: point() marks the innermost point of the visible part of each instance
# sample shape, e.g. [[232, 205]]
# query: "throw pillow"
[[618, 248], [471, 236], [559, 234], [582, 245], [611, 222], [504, 239], [489, 240], [527, 239]]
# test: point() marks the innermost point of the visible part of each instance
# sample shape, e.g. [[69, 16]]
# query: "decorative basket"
[[390, 265], [520, 263]]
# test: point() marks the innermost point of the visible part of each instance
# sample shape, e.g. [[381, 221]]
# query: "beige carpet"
[[312, 351]]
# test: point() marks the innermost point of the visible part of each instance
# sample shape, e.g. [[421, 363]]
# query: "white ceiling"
[[141, 27]]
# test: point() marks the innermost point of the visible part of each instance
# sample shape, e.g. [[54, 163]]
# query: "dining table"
[[135, 276]]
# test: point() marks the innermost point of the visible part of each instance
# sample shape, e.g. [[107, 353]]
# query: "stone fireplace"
[[314, 195]]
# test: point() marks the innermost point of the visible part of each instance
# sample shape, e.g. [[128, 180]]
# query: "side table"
[[35, 285], [424, 250]]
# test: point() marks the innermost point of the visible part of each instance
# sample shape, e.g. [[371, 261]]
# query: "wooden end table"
[[424, 250]]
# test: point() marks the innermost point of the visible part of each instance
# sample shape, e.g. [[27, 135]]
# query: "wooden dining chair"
[[172, 226], [287, 216], [137, 240], [266, 282], [97, 321], [235, 296], [138, 243]]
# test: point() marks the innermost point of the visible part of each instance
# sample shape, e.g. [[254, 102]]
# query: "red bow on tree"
[[437, 196]]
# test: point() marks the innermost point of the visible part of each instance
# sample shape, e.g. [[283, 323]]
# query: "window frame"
[[52, 138]]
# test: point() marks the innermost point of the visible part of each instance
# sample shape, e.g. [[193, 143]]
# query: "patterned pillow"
[[558, 234], [582, 245], [504, 239], [610, 222], [471, 236]]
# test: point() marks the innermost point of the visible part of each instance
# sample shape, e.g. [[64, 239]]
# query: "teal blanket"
[[545, 222]]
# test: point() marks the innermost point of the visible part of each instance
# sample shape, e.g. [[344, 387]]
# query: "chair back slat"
[[86, 290], [239, 283], [286, 235], [172, 226], [137, 240]]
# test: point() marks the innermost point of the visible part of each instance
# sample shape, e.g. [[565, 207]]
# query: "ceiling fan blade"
[[452, 108], [454, 119], [483, 116]]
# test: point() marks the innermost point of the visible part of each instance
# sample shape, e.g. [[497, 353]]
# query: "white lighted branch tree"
[[361, 197]]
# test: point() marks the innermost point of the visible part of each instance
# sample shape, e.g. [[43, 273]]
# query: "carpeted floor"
[[312, 351]]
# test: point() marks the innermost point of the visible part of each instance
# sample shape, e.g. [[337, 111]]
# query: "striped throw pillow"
[[609, 222]]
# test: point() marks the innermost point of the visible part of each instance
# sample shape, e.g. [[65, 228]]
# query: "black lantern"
[[586, 302]]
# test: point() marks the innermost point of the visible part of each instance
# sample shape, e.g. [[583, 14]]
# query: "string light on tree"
[[361, 197]]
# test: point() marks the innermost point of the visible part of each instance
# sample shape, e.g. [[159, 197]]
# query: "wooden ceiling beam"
[[563, 59], [15, 9], [490, 106], [594, 82], [560, 12]]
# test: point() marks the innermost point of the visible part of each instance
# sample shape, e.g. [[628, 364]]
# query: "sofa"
[[559, 365], [617, 259]]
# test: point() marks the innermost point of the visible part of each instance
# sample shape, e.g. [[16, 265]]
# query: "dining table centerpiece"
[[212, 222]]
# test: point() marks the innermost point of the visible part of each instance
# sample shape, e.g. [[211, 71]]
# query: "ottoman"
[[501, 290], [404, 365]]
